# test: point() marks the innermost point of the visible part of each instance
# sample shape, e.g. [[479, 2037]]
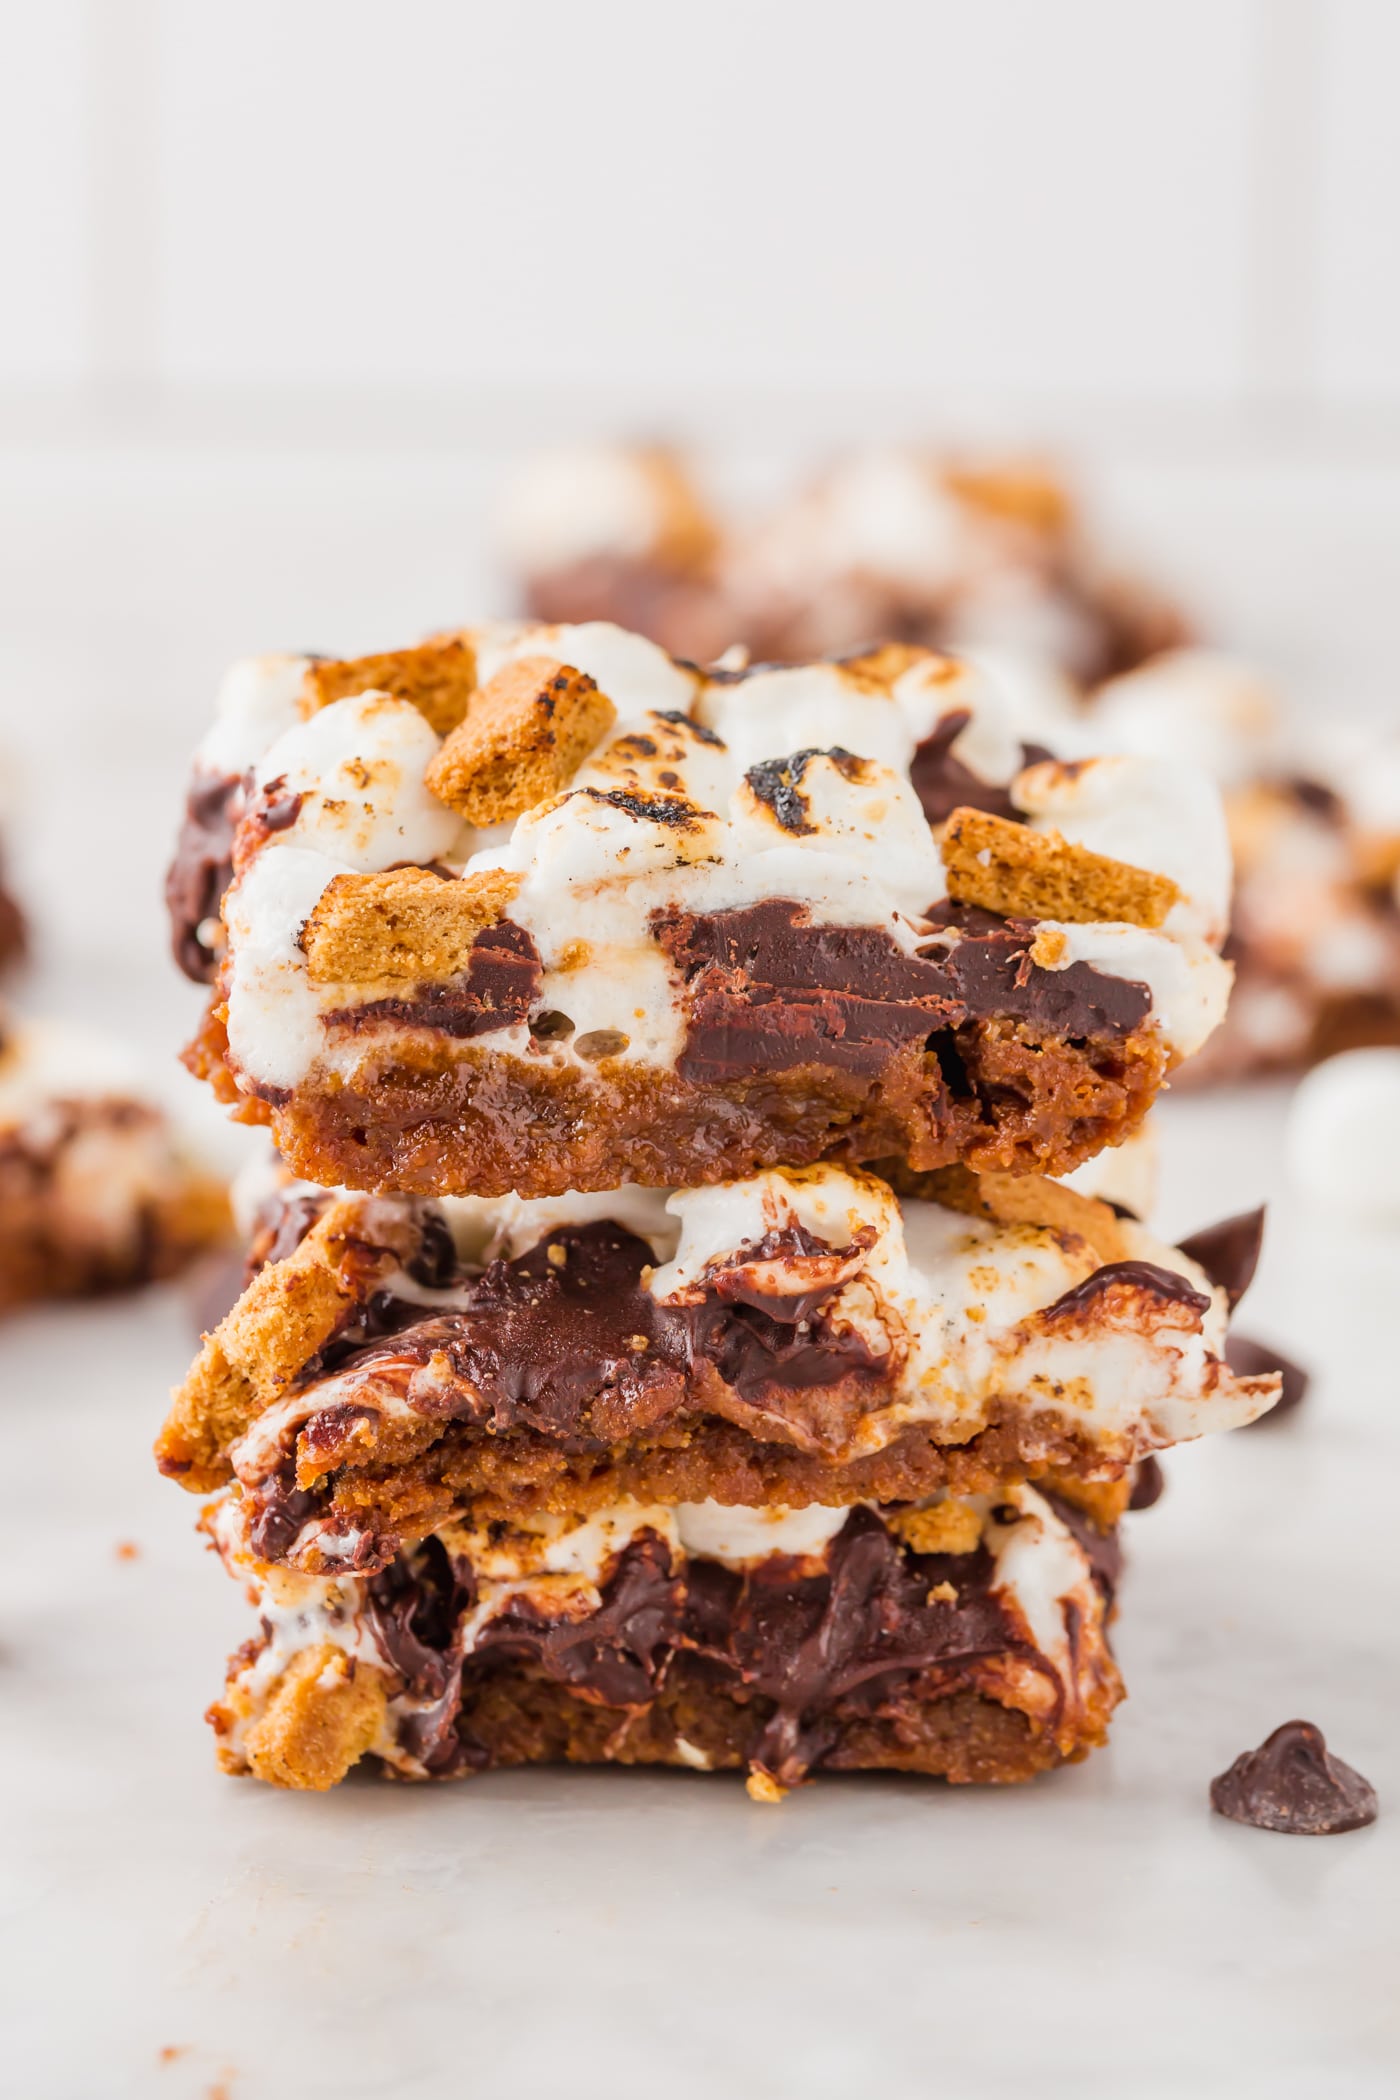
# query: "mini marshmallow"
[[257, 702], [1344, 1135], [358, 767]]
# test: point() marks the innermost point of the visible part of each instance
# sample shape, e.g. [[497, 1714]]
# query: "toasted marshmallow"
[[357, 767]]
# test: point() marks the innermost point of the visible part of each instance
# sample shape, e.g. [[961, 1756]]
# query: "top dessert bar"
[[532, 909]]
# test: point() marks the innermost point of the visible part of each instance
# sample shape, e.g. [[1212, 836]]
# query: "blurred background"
[[291, 285]]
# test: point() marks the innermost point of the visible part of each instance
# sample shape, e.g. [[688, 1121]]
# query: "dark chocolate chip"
[[1249, 1359], [1229, 1252], [1149, 1483], [1292, 1783]]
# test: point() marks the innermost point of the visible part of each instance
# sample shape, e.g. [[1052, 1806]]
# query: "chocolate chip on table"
[[1250, 1359], [1293, 1783]]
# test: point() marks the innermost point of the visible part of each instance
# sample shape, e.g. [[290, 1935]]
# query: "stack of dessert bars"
[[667, 1336]]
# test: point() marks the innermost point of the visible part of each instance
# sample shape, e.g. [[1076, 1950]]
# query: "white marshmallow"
[[358, 766], [566, 506], [257, 702]]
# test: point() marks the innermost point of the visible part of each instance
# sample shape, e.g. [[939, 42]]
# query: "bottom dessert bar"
[[961, 1638]]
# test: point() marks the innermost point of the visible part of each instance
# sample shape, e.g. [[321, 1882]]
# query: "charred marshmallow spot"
[[852, 808]]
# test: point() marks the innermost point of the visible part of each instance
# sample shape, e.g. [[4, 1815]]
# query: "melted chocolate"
[[1167, 1284], [497, 990], [1293, 1783], [200, 871], [1229, 1252], [566, 1340], [767, 991], [1102, 1549], [1248, 1359], [799, 1645], [943, 783]]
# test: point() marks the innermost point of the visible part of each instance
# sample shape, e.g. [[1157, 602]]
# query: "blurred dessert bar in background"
[[996, 558], [97, 1192]]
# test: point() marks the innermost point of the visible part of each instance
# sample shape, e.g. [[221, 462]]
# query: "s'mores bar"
[[964, 1638], [662, 1338], [97, 1193], [732, 1478], [532, 909], [947, 551], [1314, 819], [798, 1338]]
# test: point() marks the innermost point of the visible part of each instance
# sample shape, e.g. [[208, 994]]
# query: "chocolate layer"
[[765, 990], [802, 1649], [559, 1374], [497, 990]]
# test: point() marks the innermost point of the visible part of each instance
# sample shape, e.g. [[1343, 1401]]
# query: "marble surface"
[[1095, 1932]]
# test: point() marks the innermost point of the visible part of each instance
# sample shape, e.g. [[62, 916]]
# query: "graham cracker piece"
[[404, 926], [324, 1712], [1104, 1502], [1023, 1199], [529, 730], [943, 1527], [438, 677], [1019, 492], [1024, 874], [289, 1311]]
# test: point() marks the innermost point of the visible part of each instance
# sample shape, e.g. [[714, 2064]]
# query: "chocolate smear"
[[1293, 1783], [1229, 1252], [1166, 1284]]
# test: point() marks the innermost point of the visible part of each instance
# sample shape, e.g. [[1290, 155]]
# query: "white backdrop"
[[658, 206]]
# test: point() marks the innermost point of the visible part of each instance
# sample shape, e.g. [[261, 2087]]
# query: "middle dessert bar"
[[798, 1338], [547, 909]]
